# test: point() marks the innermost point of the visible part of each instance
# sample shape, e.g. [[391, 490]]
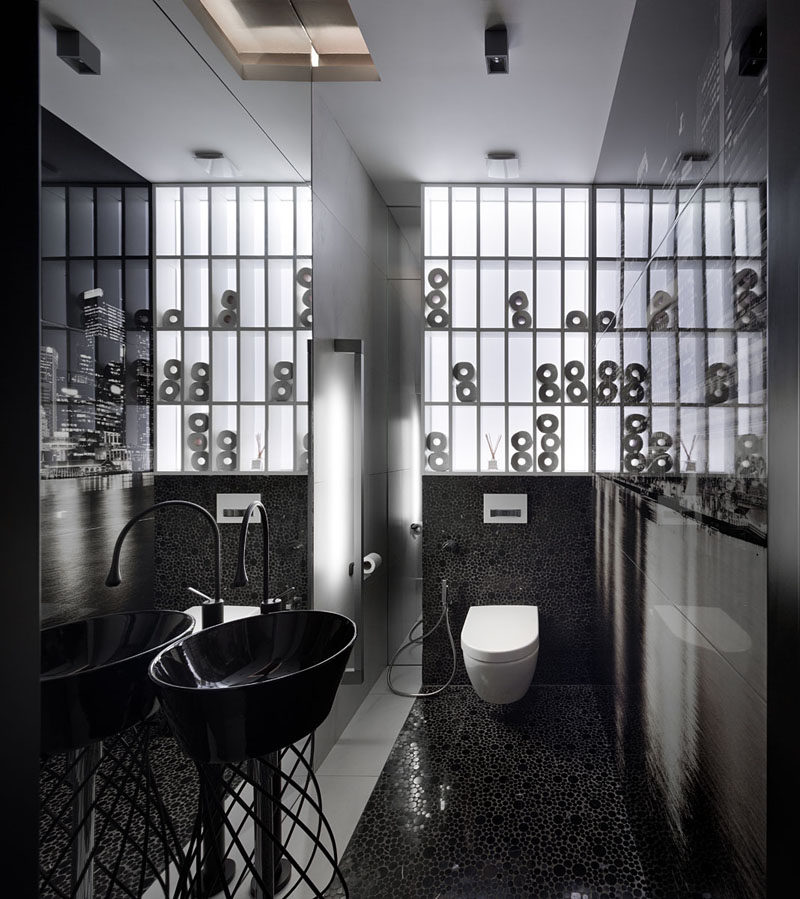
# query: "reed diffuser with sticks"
[[690, 463], [258, 461], [492, 451]]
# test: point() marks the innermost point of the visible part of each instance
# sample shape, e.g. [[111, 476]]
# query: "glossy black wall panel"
[[681, 611], [784, 426], [20, 543], [547, 562]]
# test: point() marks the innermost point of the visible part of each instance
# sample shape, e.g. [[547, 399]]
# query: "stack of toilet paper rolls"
[[197, 440], [438, 457], [170, 389], [226, 458], [229, 314], [305, 280], [199, 386], [436, 300], [549, 442], [283, 385], [466, 389]]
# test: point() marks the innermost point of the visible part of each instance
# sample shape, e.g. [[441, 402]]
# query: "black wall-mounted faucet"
[[241, 578], [211, 612]]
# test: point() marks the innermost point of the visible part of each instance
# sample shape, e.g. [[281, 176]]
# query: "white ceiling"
[[435, 113], [156, 100]]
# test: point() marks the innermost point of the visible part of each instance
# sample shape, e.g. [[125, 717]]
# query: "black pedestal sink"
[[250, 687], [94, 680]]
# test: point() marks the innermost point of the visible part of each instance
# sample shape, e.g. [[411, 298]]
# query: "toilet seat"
[[500, 633]]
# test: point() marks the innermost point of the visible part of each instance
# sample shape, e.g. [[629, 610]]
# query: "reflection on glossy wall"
[[681, 437]]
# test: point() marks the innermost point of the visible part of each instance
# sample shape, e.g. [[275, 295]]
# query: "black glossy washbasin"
[[94, 680], [252, 686]]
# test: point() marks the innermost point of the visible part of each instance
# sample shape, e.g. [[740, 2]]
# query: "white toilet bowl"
[[500, 645]]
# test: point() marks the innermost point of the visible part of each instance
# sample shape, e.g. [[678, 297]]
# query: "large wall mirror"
[[176, 296]]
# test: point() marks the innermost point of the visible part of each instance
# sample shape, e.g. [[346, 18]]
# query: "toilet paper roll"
[[303, 461], [201, 371], [226, 461], [577, 392], [748, 312], [304, 277], [169, 391], [307, 298], [547, 461], [635, 462], [632, 443], [142, 319], [636, 422], [435, 299], [660, 463], [606, 393], [660, 440], [438, 277], [549, 393], [575, 370], [198, 392], [199, 461], [464, 371], [747, 444], [577, 321], [547, 423], [635, 371], [281, 391], [284, 371], [436, 441], [632, 393], [197, 442], [439, 461], [521, 320], [745, 279], [521, 461], [371, 563], [605, 321], [550, 442], [305, 441], [466, 392], [198, 421], [660, 301], [306, 318], [659, 322], [226, 440], [437, 319], [522, 440], [227, 319], [172, 318], [229, 299], [518, 300], [173, 369], [547, 373], [608, 370]]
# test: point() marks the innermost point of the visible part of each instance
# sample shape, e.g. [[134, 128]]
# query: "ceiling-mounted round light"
[[215, 164]]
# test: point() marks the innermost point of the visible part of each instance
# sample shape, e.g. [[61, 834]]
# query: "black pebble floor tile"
[[499, 801]]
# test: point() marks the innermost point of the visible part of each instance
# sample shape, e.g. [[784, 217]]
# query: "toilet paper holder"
[[370, 564]]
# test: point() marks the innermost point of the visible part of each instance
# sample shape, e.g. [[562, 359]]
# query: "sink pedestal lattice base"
[[104, 828], [285, 810]]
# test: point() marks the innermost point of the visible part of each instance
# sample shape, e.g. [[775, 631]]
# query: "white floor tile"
[[404, 677], [367, 740]]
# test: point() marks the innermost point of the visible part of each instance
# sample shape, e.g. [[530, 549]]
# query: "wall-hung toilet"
[[500, 645]]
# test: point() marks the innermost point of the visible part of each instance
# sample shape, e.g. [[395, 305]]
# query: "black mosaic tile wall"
[[548, 563], [184, 553]]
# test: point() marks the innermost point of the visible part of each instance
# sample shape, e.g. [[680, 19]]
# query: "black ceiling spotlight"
[[753, 55], [495, 46], [77, 51]]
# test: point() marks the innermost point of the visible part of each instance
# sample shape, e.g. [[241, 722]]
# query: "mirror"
[[176, 311], [176, 292]]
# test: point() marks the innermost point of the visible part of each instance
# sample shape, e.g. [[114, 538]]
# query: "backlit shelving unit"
[[702, 400], [507, 332], [233, 298]]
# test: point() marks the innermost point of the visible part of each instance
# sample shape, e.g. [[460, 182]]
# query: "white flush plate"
[[505, 508], [231, 507]]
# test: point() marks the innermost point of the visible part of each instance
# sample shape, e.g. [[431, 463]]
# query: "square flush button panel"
[[505, 508], [231, 507]]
